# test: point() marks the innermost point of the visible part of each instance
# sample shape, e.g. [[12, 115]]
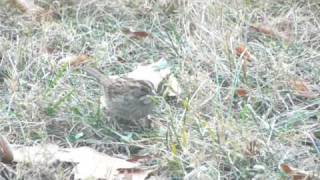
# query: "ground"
[[249, 72]]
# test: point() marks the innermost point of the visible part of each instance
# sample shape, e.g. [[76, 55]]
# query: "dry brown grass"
[[210, 132]]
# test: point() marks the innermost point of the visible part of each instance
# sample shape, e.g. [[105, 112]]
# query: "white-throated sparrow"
[[127, 99]]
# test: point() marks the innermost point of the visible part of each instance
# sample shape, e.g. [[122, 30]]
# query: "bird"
[[128, 100]]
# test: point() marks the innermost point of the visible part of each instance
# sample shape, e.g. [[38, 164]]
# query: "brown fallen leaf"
[[300, 88], [75, 60], [6, 155], [135, 35], [264, 29], [297, 174], [241, 50], [139, 34], [273, 32], [241, 92]]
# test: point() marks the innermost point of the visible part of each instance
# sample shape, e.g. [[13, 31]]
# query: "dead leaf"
[[272, 32], [138, 34], [242, 92], [297, 174], [93, 164], [40, 154], [264, 29], [155, 72], [285, 168], [6, 155], [90, 164], [301, 89], [135, 35], [243, 51], [75, 60], [299, 86]]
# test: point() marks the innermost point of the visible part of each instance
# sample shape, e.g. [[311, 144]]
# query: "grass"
[[208, 132]]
